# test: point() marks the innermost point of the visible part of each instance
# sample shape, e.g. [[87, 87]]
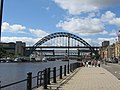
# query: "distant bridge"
[[61, 40]]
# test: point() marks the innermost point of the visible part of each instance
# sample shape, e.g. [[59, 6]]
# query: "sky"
[[30, 20]]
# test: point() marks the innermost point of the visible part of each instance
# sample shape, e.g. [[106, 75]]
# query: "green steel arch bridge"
[[60, 44]]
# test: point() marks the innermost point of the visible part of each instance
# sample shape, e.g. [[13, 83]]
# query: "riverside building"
[[17, 48], [110, 51]]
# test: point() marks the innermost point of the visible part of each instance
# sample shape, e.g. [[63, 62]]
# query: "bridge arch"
[[61, 34], [41, 42]]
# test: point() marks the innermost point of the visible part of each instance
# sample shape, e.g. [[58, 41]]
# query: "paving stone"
[[93, 78]]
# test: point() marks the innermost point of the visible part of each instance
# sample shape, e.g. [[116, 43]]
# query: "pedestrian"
[[89, 63], [83, 63], [95, 63], [92, 62], [98, 63]]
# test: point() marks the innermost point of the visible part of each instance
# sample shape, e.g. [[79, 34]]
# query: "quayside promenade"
[[93, 78]]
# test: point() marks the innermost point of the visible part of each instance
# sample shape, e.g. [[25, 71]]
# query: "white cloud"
[[88, 26], [76, 6], [38, 32], [115, 21], [110, 18], [112, 40], [19, 29], [83, 26], [113, 33], [98, 41], [28, 40], [79, 6], [12, 28], [5, 26], [16, 27]]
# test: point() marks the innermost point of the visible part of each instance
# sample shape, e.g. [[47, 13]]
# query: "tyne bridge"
[[61, 45]]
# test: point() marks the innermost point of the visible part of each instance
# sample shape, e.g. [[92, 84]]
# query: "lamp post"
[[67, 59], [68, 64], [68, 52], [1, 9]]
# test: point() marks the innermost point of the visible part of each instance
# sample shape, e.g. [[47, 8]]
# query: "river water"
[[11, 72]]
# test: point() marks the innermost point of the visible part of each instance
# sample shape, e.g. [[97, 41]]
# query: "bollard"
[[54, 75], [64, 70], [29, 81], [60, 72], [48, 75], [45, 79]]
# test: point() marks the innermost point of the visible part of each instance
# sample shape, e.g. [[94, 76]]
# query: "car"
[[109, 60], [115, 60], [44, 59]]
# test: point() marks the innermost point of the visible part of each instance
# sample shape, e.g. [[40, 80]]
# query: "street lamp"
[[68, 65], [67, 59], [68, 52], [1, 9]]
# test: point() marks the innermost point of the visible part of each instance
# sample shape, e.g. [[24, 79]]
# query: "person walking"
[[92, 63], [98, 63], [89, 63], [95, 63]]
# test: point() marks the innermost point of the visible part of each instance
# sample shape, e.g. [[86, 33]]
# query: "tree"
[[2, 52]]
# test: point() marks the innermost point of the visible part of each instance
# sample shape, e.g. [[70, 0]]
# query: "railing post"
[[41, 74], [71, 67], [0, 85], [45, 79], [64, 70], [37, 79], [54, 75], [48, 75], [74, 66], [60, 72], [68, 69], [29, 81], [78, 64]]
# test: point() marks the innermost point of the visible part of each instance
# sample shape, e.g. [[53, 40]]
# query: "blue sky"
[[30, 20]]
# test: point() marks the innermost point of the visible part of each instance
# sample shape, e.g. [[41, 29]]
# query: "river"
[[11, 72]]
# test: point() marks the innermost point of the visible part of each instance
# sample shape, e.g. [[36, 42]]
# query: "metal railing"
[[44, 77]]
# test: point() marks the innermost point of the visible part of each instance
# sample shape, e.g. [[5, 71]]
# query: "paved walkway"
[[94, 78]]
